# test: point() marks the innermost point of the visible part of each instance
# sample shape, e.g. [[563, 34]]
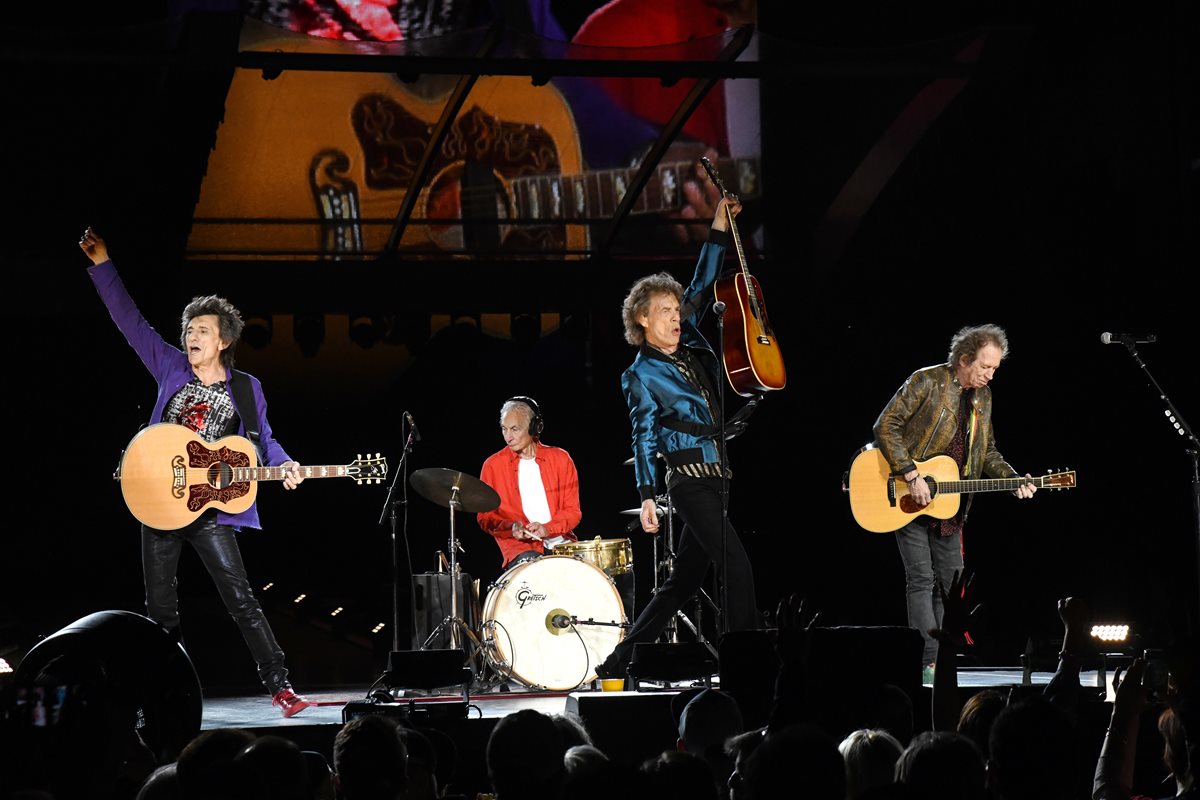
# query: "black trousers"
[[698, 503], [218, 549]]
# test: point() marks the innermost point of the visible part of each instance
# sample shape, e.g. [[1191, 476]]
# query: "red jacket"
[[562, 496]]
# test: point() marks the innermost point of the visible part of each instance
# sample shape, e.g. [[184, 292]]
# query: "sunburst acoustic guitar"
[[169, 475]]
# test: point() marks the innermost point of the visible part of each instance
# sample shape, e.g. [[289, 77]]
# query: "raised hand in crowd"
[[793, 645], [951, 636], [1064, 689], [1114, 768]]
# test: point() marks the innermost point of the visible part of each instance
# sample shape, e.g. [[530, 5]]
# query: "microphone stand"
[[1192, 449], [723, 627], [389, 512]]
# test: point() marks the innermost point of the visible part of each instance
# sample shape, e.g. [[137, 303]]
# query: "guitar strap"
[[693, 428], [243, 398]]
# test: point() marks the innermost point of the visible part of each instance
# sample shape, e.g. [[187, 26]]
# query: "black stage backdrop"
[[1053, 196]]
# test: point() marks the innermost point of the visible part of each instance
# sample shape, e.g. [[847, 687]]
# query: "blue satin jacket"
[[656, 389]]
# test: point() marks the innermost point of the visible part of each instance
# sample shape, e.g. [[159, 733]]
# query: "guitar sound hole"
[[220, 475]]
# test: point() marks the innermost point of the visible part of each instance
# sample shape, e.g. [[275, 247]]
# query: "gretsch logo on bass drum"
[[525, 595]]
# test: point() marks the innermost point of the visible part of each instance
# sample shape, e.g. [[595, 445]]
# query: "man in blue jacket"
[[673, 392]]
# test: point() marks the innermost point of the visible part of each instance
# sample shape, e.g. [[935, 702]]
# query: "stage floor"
[[255, 711]]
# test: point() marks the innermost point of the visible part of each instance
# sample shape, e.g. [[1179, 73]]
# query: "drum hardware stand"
[[456, 491], [453, 619]]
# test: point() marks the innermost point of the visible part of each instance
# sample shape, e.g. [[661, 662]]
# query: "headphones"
[[536, 424]]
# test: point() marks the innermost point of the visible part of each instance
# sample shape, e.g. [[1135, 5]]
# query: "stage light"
[[300, 598], [526, 329], [1112, 633], [5, 667], [365, 330], [268, 586], [258, 330], [336, 611], [308, 329], [378, 628]]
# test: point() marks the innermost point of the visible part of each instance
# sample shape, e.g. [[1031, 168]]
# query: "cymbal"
[[438, 485]]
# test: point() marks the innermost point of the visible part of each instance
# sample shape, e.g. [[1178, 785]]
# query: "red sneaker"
[[289, 702]]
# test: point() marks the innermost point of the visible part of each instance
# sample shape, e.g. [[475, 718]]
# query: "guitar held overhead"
[[881, 502], [753, 363], [169, 475]]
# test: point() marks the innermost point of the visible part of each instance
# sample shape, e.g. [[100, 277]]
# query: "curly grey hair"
[[637, 303], [971, 339], [228, 317]]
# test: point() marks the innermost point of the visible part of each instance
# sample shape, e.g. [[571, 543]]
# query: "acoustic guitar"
[[170, 476], [751, 354], [881, 502]]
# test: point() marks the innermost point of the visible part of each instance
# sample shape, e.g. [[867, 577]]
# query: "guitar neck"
[[242, 474], [988, 485], [597, 193]]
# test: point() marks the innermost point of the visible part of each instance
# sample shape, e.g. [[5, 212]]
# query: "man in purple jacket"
[[193, 390]]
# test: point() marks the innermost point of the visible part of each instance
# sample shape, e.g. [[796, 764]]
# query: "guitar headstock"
[[365, 470], [1063, 479], [712, 174]]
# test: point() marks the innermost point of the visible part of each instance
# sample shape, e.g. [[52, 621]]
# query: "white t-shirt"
[[533, 491]]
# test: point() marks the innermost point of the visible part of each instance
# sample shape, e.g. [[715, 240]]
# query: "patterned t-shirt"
[[207, 410]]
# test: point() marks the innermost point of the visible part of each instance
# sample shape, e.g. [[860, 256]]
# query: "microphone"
[[560, 621], [719, 308], [416, 433], [637, 523], [1127, 338]]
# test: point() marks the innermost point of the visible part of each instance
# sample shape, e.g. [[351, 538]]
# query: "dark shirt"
[[957, 450], [690, 368]]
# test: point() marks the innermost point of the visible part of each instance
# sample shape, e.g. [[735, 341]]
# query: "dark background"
[[1055, 196]]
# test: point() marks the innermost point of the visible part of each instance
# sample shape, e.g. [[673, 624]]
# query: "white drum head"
[[519, 632]]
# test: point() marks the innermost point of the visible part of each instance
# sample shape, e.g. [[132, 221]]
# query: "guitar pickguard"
[[200, 495], [201, 457]]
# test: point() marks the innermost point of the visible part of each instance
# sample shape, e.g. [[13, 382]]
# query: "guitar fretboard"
[[988, 485], [597, 193], [242, 474]]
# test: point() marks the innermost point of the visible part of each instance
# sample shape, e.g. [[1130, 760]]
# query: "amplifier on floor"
[[432, 592]]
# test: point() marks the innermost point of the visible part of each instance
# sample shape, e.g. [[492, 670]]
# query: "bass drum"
[[548, 623]]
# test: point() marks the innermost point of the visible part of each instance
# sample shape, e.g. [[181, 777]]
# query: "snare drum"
[[614, 556], [540, 622]]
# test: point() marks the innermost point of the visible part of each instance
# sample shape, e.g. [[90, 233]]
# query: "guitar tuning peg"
[[358, 456]]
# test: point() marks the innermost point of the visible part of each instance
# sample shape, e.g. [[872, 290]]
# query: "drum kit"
[[546, 623]]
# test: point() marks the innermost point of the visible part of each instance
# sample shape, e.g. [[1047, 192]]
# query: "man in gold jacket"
[[945, 409]]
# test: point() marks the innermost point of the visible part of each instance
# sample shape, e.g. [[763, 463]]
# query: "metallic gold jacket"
[[921, 419]]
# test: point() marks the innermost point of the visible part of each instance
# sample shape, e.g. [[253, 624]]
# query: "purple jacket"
[[170, 368]]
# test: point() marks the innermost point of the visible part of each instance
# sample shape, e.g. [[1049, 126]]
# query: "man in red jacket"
[[537, 484]]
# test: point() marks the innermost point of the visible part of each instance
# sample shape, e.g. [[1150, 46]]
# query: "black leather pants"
[[698, 502], [217, 546]]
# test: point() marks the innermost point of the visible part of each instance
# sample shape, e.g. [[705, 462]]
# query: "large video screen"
[[316, 163]]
